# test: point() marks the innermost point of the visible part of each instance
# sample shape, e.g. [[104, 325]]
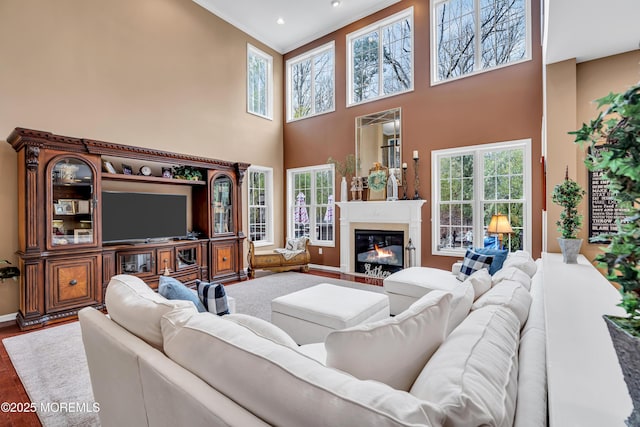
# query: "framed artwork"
[[127, 170], [83, 235], [83, 207], [108, 167], [377, 184], [167, 172], [65, 207]]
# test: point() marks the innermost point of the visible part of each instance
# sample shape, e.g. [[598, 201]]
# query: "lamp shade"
[[499, 224]]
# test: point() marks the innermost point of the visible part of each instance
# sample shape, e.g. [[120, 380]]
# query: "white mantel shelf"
[[407, 213]]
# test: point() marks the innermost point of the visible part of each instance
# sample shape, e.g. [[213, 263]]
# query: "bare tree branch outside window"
[[312, 84]]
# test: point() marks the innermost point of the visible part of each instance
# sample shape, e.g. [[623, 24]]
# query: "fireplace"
[[378, 253]]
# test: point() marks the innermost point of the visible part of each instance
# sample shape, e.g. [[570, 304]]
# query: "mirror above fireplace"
[[378, 139]]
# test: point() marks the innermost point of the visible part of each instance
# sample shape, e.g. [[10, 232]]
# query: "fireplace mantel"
[[406, 214]]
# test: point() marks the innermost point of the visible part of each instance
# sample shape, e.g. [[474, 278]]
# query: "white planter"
[[570, 249]]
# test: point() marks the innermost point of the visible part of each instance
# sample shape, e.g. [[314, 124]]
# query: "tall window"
[[259, 82], [471, 36], [310, 200], [470, 184], [380, 59], [311, 83], [260, 184]]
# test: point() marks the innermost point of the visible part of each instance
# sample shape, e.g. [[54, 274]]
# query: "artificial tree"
[[616, 132], [568, 195]]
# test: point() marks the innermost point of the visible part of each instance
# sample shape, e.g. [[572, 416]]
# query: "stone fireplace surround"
[[404, 215]]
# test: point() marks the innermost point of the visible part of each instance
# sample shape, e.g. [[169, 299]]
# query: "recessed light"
[[335, 3], [280, 21]]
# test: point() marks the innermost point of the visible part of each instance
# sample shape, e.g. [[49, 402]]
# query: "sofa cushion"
[[417, 281], [137, 308], [509, 294], [393, 350], [263, 329], [473, 375], [473, 262], [512, 273], [523, 261], [213, 297], [171, 288], [294, 390], [499, 256], [481, 282]]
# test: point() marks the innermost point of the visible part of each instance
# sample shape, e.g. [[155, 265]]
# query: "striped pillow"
[[213, 297]]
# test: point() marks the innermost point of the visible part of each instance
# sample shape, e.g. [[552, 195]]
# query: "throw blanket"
[[286, 253]]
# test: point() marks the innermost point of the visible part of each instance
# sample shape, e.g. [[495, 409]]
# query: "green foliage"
[[568, 195], [616, 131], [348, 167], [187, 172]]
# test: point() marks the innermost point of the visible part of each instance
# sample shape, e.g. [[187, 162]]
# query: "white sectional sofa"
[[160, 363]]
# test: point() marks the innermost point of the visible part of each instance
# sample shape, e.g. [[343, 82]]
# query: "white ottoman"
[[310, 314], [407, 286]]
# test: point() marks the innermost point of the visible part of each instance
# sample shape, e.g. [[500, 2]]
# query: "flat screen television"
[[142, 216]]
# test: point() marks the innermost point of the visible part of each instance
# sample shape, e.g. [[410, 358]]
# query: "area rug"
[[53, 368]]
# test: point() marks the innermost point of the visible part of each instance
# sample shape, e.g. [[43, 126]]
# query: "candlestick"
[[404, 166], [416, 184], [404, 181], [415, 154]]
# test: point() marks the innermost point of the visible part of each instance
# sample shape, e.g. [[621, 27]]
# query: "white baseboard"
[[8, 317], [324, 267]]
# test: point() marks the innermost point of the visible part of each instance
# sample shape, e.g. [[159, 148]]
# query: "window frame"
[[478, 191], [269, 224], [434, 44], [330, 46], [311, 206], [378, 26], [254, 51]]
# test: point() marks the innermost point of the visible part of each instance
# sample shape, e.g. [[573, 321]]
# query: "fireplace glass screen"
[[379, 252]]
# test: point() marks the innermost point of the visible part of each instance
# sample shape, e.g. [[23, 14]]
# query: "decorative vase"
[[628, 351], [343, 190], [570, 249]]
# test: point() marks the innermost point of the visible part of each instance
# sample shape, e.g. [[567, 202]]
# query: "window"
[[472, 36], [260, 205], [310, 204], [259, 82], [470, 184], [311, 83], [380, 59]]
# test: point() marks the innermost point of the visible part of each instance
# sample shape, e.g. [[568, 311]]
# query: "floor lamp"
[[499, 225]]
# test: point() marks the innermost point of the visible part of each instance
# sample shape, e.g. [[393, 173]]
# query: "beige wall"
[[163, 74], [571, 90]]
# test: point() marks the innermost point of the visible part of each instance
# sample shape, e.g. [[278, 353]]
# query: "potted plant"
[[186, 172], [568, 195], [345, 168], [618, 158]]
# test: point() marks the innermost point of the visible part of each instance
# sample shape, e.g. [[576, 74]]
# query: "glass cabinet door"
[[73, 197], [222, 205]]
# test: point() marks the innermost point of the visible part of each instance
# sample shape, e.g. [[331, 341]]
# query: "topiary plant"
[[618, 157], [568, 195]]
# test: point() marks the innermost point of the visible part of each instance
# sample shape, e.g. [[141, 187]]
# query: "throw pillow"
[[171, 288], [512, 273], [392, 350], [499, 256], [523, 261], [509, 294], [481, 282], [473, 262], [263, 329], [213, 297]]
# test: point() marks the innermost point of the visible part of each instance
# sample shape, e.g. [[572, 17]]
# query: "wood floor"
[[12, 391]]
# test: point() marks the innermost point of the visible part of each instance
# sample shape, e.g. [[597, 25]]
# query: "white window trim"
[[291, 197], [269, 194], [477, 151], [407, 13], [252, 50], [475, 72], [331, 46]]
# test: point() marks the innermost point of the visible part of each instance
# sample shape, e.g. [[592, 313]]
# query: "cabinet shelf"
[[142, 178]]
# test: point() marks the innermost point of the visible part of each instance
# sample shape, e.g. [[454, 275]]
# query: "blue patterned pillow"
[[499, 256], [473, 262], [213, 297], [171, 288]]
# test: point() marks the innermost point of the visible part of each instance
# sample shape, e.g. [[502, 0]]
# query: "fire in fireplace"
[[379, 252]]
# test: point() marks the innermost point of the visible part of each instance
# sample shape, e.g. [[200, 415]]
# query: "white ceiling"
[[305, 20], [581, 29], [590, 29]]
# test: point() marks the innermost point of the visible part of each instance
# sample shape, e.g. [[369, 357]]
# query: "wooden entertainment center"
[[63, 262]]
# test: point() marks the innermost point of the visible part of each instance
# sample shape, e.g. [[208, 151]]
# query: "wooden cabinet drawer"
[[73, 282], [223, 259], [165, 261]]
